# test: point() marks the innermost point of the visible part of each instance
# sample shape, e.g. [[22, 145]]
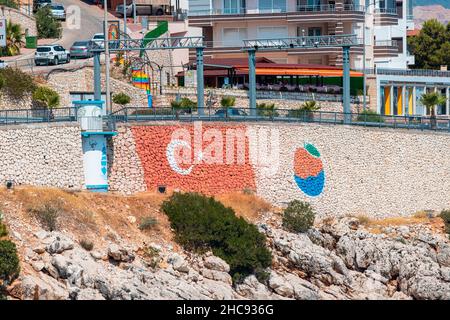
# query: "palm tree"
[[13, 39], [430, 101]]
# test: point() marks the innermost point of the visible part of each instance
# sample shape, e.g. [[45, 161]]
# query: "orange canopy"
[[301, 72]]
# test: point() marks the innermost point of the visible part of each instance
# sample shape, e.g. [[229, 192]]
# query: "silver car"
[[81, 49], [58, 11], [51, 54]]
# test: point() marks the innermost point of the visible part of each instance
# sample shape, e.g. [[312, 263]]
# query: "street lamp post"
[[106, 36], [366, 7]]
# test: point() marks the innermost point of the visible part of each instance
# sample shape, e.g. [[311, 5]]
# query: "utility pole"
[[107, 99], [124, 16]]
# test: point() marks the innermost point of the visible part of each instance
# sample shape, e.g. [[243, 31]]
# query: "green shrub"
[[86, 244], [3, 230], [46, 97], [228, 101], [47, 215], [184, 103], [202, 223], [445, 215], [370, 116], [16, 83], [298, 216], [306, 110], [266, 110], [148, 223], [9, 3], [47, 25], [9, 264], [121, 98]]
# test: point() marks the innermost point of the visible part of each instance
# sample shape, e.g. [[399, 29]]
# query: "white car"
[[51, 54], [58, 11], [99, 40], [3, 64]]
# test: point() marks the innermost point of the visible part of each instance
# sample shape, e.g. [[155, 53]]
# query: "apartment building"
[[225, 23]]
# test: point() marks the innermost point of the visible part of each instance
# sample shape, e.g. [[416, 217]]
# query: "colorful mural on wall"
[[308, 170], [187, 158]]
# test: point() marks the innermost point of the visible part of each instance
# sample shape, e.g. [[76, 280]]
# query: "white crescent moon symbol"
[[170, 154]]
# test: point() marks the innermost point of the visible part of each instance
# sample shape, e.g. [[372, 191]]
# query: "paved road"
[[90, 22]]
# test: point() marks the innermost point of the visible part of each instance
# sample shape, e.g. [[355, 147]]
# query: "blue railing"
[[17, 116], [140, 114]]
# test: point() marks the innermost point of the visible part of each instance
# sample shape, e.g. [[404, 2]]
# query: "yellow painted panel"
[[399, 101], [387, 100], [410, 101]]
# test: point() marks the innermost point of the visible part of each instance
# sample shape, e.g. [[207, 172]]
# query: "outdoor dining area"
[[232, 73]]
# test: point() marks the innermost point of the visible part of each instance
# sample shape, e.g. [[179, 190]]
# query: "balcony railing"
[[386, 10], [262, 10], [386, 43], [315, 8], [408, 72]]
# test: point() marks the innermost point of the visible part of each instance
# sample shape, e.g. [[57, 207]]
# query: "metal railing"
[[386, 43], [354, 7], [408, 72], [141, 114], [316, 8], [17, 116], [386, 11]]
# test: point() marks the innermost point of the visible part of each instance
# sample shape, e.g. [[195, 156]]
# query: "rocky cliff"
[[343, 258]]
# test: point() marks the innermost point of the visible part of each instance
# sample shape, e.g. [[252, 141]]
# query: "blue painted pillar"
[[200, 82], [252, 81], [97, 77]]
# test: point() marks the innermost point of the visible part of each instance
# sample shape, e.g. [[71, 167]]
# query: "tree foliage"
[[47, 25], [46, 97], [431, 47], [14, 40], [431, 100], [16, 83], [121, 98]]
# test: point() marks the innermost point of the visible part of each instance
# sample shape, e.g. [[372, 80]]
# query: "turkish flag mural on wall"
[[206, 158]]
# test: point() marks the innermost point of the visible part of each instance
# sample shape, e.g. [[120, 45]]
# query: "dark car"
[[81, 49], [37, 4], [230, 112]]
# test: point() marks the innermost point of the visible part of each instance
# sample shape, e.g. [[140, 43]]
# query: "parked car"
[[145, 10], [37, 4], [58, 11], [3, 64], [51, 54], [99, 40], [230, 112], [81, 49]]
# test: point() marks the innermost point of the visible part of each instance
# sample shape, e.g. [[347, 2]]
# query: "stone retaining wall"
[[27, 22], [338, 169], [42, 155]]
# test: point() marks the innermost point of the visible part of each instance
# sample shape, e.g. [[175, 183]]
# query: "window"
[[233, 6], [272, 32], [314, 32], [399, 42], [234, 36], [272, 6]]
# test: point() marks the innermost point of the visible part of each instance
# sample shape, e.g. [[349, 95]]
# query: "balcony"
[[385, 48], [303, 13], [386, 16]]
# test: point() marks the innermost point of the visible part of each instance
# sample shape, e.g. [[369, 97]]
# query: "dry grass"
[[245, 205]]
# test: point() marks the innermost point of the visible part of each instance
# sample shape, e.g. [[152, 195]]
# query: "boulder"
[[216, 263], [119, 254], [59, 245], [178, 263]]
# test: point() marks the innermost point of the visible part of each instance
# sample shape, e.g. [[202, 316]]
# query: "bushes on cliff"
[[121, 98], [47, 215], [202, 223], [16, 83], [298, 216], [9, 265], [445, 215]]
